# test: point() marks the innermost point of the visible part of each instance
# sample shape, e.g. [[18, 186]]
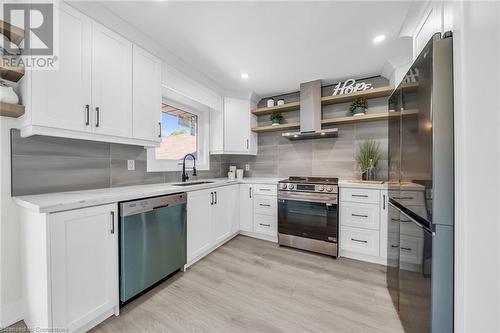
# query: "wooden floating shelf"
[[13, 33], [13, 74], [11, 110], [333, 121], [281, 108], [327, 100], [280, 127]]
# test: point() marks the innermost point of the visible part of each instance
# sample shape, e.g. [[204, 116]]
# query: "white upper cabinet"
[[61, 98], [146, 95], [111, 82], [105, 89], [231, 128]]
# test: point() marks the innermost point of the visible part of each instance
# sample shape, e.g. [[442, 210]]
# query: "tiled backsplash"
[[335, 157], [42, 164]]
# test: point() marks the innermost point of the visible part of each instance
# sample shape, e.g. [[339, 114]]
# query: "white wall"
[[10, 271], [477, 155]]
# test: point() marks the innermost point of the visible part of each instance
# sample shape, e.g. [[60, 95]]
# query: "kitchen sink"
[[193, 183]]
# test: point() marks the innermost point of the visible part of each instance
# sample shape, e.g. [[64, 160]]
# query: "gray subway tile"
[[45, 174], [127, 152], [120, 176]]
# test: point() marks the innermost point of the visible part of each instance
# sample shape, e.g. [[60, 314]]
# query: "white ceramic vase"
[[8, 95]]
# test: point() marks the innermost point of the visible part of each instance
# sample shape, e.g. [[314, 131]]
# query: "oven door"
[[310, 215]]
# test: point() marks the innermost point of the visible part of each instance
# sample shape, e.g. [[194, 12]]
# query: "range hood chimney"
[[310, 114]]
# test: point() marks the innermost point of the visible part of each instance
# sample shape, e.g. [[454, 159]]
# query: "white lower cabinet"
[[212, 218], [71, 267], [246, 207], [363, 223]]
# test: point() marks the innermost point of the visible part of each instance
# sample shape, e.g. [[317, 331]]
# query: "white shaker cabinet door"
[[111, 83], [146, 95], [84, 265], [61, 98], [246, 207], [236, 126], [199, 223], [225, 210]]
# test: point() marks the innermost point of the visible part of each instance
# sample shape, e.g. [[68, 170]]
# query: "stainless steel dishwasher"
[[152, 242]]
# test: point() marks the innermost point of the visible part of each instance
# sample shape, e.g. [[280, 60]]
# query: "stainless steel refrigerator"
[[421, 200]]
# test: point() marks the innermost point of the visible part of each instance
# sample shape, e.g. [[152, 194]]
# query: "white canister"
[[232, 169], [270, 103], [239, 173], [281, 102], [230, 175]]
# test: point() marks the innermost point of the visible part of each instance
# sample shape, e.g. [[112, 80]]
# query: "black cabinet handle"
[[265, 189], [360, 195], [393, 219], [159, 135], [212, 197], [406, 248], [87, 115], [264, 205], [357, 215], [358, 240], [383, 202], [250, 192], [98, 116], [264, 225], [112, 222], [393, 246], [247, 144], [215, 202]]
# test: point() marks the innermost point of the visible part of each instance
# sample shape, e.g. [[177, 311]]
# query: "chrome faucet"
[[185, 177]]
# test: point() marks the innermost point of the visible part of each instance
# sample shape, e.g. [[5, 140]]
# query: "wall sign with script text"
[[350, 86]]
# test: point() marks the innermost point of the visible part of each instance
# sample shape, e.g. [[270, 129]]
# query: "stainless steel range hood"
[[310, 114]]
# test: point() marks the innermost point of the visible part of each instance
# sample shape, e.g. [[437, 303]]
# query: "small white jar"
[[270, 103]]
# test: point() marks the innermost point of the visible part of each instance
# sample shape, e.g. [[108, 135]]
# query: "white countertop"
[[59, 201], [404, 186]]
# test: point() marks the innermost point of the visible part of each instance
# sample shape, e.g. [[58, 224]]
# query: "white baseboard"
[[11, 313], [363, 257], [268, 238]]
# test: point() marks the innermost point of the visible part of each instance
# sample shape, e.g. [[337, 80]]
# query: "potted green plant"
[[358, 106], [276, 118], [368, 156]]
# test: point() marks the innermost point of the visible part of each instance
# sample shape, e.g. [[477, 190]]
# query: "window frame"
[[203, 136]]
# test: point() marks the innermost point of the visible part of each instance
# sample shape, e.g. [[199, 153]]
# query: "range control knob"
[[329, 189], [283, 186], [291, 186], [321, 188]]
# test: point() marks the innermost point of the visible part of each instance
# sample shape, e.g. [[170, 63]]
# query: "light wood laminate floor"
[[249, 285]]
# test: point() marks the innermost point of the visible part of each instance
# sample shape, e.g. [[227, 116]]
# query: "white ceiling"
[[279, 44]]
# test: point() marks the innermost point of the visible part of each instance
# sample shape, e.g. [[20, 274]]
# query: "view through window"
[[178, 134]]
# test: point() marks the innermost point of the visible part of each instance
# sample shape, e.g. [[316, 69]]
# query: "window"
[[179, 134], [185, 130]]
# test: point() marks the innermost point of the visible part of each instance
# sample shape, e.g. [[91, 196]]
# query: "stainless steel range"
[[308, 214]]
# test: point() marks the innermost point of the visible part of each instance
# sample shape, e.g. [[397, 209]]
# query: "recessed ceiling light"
[[244, 76], [378, 39]]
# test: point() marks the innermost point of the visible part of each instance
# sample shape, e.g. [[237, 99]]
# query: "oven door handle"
[[328, 203]]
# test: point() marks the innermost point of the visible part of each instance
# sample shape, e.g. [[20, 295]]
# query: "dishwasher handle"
[[135, 207]]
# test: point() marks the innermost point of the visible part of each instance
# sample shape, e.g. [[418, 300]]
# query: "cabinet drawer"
[[358, 215], [360, 240], [265, 224], [261, 189], [410, 249], [265, 205], [359, 195], [406, 198]]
